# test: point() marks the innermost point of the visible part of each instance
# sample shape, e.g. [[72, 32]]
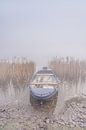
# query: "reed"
[[18, 73], [69, 69]]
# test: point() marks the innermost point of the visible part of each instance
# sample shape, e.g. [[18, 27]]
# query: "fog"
[[42, 30]]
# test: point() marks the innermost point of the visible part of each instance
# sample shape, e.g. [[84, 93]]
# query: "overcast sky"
[[42, 29]]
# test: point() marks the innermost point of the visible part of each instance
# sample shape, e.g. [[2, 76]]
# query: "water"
[[23, 116]]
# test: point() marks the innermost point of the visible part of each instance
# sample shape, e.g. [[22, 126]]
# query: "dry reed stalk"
[[69, 69], [17, 73]]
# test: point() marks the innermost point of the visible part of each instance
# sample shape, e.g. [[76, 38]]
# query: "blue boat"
[[44, 85]]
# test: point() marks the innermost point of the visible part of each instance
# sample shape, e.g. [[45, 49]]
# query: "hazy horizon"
[[42, 30]]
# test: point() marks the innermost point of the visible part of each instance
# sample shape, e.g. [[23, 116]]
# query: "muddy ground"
[[26, 117], [59, 114]]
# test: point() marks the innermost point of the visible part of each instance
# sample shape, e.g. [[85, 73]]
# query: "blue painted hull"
[[43, 96]]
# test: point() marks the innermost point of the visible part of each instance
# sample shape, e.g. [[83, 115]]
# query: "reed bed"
[[16, 72], [69, 69]]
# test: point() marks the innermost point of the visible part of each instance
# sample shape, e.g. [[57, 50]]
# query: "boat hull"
[[43, 97]]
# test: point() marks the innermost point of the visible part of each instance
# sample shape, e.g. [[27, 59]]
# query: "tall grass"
[[69, 69], [18, 73]]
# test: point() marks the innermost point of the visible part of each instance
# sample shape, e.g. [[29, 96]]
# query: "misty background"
[[41, 30]]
